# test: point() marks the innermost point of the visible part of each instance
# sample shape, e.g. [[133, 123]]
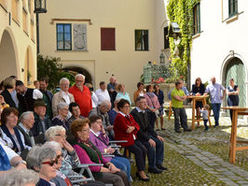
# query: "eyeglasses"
[[79, 80], [59, 156], [51, 163], [63, 136]]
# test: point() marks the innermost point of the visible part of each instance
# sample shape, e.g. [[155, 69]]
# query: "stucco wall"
[[20, 40], [125, 16], [218, 38]]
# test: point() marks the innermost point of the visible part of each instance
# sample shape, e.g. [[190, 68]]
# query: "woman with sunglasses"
[[43, 160], [89, 154]]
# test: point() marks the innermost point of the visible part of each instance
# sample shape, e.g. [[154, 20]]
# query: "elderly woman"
[[60, 178], [62, 96], [126, 128], [122, 94], [99, 138], [10, 134], [89, 154], [61, 118], [152, 104], [24, 177], [44, 161], [70, 159]]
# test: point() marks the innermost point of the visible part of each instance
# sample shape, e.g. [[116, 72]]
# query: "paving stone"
[[243, 182], [236, 178], [224, 171]]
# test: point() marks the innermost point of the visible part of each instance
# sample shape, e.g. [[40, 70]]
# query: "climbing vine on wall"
[[181, 12]]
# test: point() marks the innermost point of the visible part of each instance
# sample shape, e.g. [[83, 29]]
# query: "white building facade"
[[219, 46]]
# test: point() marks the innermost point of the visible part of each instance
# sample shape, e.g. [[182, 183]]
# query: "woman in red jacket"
[[126, 128]]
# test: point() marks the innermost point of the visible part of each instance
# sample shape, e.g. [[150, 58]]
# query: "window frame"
[[64, 24], [142, 39], [197, 19]]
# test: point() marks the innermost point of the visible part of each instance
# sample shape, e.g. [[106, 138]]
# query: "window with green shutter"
[[233, 7], [197, 19]]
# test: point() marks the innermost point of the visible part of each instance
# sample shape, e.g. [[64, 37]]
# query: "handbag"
[[157, 111]]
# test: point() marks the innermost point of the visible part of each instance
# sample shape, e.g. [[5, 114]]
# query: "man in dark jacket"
[[147, 135], [42, 123], [26, 97], [25, 125]]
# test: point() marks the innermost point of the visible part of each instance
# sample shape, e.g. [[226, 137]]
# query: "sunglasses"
[[51, 163]]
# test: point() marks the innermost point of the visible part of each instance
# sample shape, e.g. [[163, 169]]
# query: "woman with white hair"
[[24, 177], [43, 160], [70, 159], [61, 118], [62, 96], [60, 178]]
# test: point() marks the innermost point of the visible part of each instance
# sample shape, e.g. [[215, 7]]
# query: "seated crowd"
[[49, 137]]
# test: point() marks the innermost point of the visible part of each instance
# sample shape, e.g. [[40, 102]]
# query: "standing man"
[[26, 97], [177, 98], [62, 96], [102, 93], [47, 97], [82, 95], [217, 93], [111, 89]]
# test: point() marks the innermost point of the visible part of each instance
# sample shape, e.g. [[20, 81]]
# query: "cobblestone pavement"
[[223, 170]]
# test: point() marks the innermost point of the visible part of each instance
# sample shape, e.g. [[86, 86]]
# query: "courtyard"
[[201, 158]]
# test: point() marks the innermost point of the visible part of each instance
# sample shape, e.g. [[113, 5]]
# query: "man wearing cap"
[[42, 123]]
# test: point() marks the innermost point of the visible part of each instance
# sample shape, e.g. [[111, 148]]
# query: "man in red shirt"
[[81, 95]]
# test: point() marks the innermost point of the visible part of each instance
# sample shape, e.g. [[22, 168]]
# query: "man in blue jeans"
[[217, 93]]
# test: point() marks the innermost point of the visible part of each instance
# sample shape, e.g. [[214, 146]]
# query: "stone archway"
[[8, 62], [75, 70], [234, 68]]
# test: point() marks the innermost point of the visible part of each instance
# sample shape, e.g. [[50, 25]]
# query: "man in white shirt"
[[102, 93]]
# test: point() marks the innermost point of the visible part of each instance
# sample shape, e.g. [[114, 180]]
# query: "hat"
[[39, 102]]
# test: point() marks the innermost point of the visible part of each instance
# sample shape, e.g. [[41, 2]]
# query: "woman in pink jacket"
[[152, 104]]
